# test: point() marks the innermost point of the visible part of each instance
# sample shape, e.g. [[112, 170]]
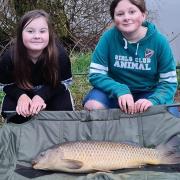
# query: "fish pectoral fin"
[[72, 164]]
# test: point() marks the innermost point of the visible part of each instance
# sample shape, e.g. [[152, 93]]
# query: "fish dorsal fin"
[[72, 164], [132, 143]]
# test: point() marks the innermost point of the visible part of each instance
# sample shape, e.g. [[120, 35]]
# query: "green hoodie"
[[119, 67]]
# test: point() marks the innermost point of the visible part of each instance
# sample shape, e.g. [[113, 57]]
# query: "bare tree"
[[79, 23], [87, 20]]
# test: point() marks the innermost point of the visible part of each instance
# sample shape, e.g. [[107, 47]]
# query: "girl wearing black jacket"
[[36, 70]]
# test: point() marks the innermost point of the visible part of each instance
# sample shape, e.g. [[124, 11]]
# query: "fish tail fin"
[[170, 152]]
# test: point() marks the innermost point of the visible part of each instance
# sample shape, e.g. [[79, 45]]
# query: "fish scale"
[[109, 153]]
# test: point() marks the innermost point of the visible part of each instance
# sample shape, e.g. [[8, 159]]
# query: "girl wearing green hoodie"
[[132, 65]]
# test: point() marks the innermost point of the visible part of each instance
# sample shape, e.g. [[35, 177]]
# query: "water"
[[166, 15]]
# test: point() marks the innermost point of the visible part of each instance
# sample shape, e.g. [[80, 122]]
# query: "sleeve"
[[166, 88], [98, 75], [13, 91], [65, 77], [6, 76], [6, 68]]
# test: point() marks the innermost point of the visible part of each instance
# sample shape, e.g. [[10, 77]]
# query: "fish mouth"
[[34, 162]]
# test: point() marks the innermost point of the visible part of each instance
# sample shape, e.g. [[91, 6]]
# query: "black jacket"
[[40, 86]]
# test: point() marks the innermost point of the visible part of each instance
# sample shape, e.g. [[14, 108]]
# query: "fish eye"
[[42, 154]]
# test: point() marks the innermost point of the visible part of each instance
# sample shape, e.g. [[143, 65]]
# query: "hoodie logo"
[[149, 53]]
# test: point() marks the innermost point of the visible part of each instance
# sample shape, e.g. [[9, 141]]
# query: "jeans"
[[111, 102]]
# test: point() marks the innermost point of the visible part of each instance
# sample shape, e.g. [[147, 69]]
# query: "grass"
[[1, 96], [177, 97], [178, 77], [80, 66]]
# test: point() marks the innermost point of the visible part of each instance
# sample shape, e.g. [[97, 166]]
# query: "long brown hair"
[[49, 55]]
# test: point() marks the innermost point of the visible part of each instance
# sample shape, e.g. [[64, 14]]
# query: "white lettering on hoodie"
[[128, 63]]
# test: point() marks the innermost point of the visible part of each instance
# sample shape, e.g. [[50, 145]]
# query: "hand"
[[37, 105], [142, 105], [126, 103], [23, 105]]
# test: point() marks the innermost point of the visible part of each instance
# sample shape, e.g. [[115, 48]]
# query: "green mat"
[[20, 143]]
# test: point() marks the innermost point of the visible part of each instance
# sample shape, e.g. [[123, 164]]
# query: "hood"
[[151, 30]]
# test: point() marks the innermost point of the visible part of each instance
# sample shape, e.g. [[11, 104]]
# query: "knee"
[[92, 104]]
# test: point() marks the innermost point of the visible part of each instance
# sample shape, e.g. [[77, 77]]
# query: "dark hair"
[[139, 3], [49, 55]]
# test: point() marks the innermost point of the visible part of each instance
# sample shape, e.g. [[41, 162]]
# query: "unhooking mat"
[[20, 143]]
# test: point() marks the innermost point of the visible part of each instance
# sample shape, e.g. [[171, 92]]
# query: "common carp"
[[88, 156]]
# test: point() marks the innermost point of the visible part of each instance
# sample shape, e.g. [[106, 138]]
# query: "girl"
[[36, 69], [132, 66]]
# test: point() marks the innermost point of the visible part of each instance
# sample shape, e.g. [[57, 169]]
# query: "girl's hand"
[[142, 105], [23, 105], [126, 103], [37, 105]]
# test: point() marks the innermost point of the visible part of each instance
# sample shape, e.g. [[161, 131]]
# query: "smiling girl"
[[132, 66], [36, 69]]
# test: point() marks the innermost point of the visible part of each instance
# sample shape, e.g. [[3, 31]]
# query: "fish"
[[89, 156]]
